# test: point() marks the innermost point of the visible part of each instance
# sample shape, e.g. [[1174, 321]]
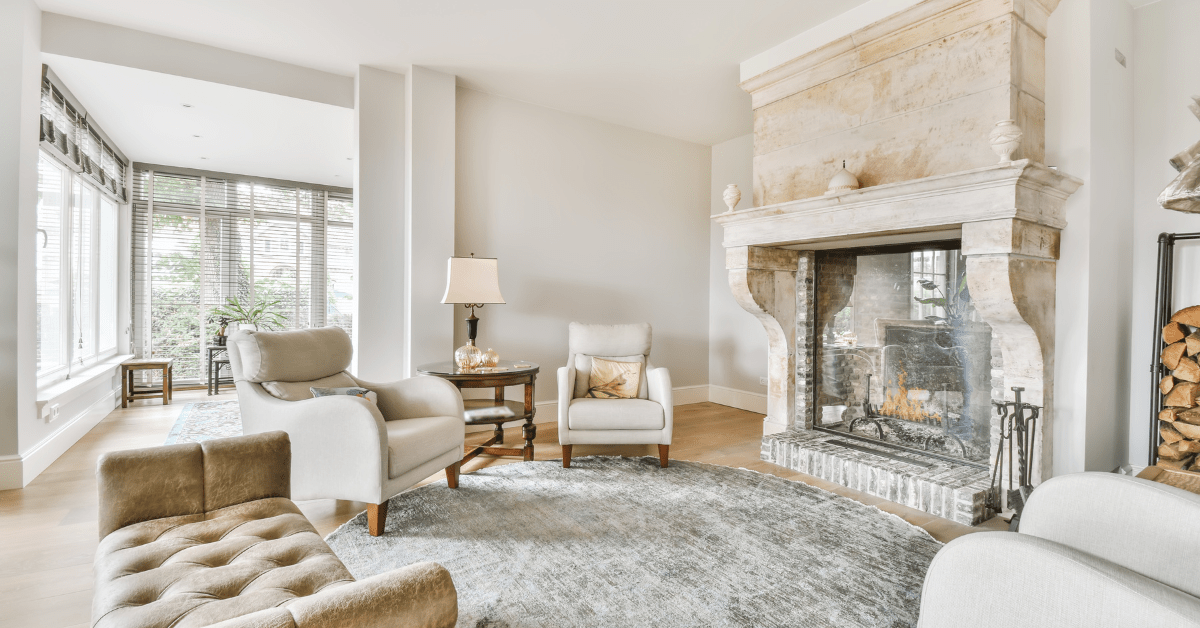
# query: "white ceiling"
[[665, 66], [241, 131]]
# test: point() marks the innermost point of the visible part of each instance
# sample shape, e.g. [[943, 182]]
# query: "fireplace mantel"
[[1008, 217], [1021, 190]]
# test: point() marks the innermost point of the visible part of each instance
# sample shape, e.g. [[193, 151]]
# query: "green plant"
[[260, 315], [955, 307]]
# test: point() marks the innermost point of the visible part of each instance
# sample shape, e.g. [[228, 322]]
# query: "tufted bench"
[[203, 534]]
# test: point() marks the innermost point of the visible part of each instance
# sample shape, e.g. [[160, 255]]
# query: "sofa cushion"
[[615, 414], [299, 391], [197, 570], [413, 442], [300, 355]]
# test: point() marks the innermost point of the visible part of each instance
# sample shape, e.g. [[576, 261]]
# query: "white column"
[[20, 88], [429, 215], [380, 235]]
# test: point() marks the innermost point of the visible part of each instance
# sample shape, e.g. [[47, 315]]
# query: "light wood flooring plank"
[[49, 527]]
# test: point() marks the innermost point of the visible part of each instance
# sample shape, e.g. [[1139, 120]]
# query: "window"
[[200, 240], [76, 271]]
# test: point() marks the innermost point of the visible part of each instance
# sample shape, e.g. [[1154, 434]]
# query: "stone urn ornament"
[[842, 181], [732, 195], [1005, 139]]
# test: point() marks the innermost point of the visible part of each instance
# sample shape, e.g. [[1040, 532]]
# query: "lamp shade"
[[472, 280]]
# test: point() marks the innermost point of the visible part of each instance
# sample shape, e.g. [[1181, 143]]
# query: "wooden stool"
[[129, 367]]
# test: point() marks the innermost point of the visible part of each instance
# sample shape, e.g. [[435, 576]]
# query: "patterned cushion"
[[299, 391], [353, 391], [612, 379], [197, 570]]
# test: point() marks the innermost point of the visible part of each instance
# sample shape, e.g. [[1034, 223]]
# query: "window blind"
[[203, 238], [68, 134]]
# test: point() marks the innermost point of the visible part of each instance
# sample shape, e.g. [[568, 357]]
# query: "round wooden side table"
[[507, 373]]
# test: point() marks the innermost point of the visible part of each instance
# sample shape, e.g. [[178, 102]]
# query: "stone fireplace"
[[867, 386]]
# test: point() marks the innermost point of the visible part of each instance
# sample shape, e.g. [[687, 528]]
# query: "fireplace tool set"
[[1018, 426]]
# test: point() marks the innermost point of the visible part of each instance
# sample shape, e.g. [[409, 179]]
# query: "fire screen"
[[902, 357]]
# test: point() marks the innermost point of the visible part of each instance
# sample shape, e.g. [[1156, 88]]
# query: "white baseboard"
[[18, 471], [740, 399], [547, 411]]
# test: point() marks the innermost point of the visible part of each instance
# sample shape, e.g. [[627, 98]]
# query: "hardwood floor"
[[48, 529]]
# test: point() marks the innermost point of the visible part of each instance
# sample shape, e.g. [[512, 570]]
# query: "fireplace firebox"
[[902, 357]]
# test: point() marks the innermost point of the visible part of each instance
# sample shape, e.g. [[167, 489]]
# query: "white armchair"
[[1094, 550], [645, 420], [345, 447]]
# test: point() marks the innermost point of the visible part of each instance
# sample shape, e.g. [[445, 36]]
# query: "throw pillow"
[[353, 391], [299, 391], [610, 379]]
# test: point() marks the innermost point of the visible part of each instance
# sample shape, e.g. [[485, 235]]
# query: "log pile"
[[1179, 421]]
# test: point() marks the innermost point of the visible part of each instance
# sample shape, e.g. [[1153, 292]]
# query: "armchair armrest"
[[658, 381], [1151, 528], [339, 443], [566, 390], [415, 397], [417, 595], [1006, 580]]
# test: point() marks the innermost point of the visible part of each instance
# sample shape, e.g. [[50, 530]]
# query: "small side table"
[[129, 367], [497, 379], [213, 367]]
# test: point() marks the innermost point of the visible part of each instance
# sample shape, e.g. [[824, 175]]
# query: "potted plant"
[[221, 322], [250, 314]]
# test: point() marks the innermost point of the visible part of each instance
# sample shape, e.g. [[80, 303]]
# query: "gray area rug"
[[204, 420], [622, 542]]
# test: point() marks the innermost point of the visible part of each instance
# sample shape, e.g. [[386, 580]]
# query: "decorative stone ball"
[[842, 181], [732, 195], [468, 357], [1005, 138], [490, 358]]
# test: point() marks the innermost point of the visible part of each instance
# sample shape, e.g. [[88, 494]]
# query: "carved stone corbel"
[[763, 282], [1011, 277]]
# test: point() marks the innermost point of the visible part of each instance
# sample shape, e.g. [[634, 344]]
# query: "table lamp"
[[473, 282]]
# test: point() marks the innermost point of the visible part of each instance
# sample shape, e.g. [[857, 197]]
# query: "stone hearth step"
[[946, 489]]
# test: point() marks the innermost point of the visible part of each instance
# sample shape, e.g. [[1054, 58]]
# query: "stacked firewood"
[[1179, 421]]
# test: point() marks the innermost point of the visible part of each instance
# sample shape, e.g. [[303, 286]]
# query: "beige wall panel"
[[1031, 117], [972, 61], [1029, 64], [948, 137], [942, 25]]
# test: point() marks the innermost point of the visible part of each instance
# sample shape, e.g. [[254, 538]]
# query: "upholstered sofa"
[[206, 535], [345, 447], [1095, 550]]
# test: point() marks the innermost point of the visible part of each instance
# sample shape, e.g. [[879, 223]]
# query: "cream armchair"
[[646, 420], [345, 447], [1095, 550]]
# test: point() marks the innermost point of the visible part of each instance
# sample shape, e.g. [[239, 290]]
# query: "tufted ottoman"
[[205, 535]]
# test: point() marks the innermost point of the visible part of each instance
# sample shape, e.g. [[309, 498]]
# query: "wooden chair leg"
[[376, 516], [124, 387], [662, 455], [567, 456], [452, 474]]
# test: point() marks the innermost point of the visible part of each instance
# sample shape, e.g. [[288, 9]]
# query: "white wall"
[[590, 222], [1089, 135], [1166, 71], [429, 214], [20, 76], [379, 201], [737, 349]]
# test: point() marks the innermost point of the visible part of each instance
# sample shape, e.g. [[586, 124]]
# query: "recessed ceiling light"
[[186, 105], [349, 159], [204, 158], [195, 136]]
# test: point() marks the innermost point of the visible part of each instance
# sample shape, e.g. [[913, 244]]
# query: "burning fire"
[[898, 404]]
